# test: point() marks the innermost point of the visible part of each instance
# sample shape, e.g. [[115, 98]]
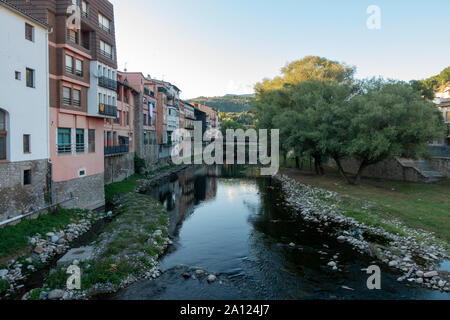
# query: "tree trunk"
[[360, 170], [341, 170], [285, 159], [297, 162]]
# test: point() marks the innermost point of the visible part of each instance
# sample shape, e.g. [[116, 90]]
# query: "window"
[[26, 143], [104, 23], [29, 32], [80, 140], [128, 118], [106, 50], [69, 64], [30, 78], [2, 135], [18, 75], [67, 96], [91, 140], [447, 115], [85, 9], [64, 140], [26, 177], [79, 68], [76, 97]]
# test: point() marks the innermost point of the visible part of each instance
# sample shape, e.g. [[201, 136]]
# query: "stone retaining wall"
[[17, 198], [442, 165], [118, 168], [89, 191], [390, 169]]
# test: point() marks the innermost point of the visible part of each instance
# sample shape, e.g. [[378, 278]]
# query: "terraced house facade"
[[83, 92], [24, 148]]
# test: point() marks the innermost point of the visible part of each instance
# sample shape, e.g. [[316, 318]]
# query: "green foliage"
[[122, 187], [4, 286], [370, 121], [227, 103], [139, 164], [34, 295], [15, 237], [245, 118], [308, 68], [434, 83], [230, 124]]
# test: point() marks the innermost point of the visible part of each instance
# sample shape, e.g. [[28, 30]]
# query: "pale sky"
[[217, 47]]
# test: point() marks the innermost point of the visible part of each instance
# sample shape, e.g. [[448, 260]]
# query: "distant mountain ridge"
[[228, 103]]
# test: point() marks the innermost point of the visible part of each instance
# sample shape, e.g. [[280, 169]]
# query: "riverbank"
[[37, 244], [418, 205], [415, 253]]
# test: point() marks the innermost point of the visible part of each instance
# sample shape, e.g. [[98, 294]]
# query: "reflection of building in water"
[[179, 197]]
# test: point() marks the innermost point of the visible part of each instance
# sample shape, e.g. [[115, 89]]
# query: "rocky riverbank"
[[126, 250], [415, 254], [46, 248]]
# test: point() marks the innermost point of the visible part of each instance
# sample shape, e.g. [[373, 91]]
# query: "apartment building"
[[189, 117], [119, 134], [24, 112], [442, 101], [83, 93], [145, 117]]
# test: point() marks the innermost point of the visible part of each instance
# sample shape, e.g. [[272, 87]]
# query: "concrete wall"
[[390, 169], [442, 165], [17, 198], [88, 190], [118, 168]]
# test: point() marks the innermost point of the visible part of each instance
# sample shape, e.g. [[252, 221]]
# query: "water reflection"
[[227, 223]]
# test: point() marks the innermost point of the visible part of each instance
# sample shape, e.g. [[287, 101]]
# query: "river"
[[238, 228]]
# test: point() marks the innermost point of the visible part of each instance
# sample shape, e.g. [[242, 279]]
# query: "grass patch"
[[4, 285], [34, 295], [15, 237], [418, 205], [122, 187]]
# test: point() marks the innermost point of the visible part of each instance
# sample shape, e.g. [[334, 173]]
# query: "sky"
[[218, 47]]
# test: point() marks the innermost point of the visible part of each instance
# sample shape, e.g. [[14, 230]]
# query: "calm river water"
[[239, 228]]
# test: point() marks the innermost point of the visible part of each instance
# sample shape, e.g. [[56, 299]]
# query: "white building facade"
[[24, 112]]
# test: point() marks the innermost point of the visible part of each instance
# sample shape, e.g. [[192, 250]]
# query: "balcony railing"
[[64, 148], [440, 151], [106, 54], [107, 110], [85, 14], [67, 101], [77, 103], [69, 69], [117, 149], [79, 147], [79, 73], [72, 38], [107, 83], [105, 28]]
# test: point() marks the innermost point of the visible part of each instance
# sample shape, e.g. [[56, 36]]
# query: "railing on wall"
[[440, 151], [117, 149]]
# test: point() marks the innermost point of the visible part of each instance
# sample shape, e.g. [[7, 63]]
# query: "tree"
[[308, 68], [390, 120]]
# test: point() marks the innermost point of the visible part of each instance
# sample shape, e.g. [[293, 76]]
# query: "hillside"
[[227, 103]]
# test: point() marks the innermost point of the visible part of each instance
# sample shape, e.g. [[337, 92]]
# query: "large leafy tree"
[[308, 68], [389, 120]]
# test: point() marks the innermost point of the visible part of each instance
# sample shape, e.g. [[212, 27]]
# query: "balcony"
[[107, 110], [117, 150], [105, 28], [85, 14], [72, 38], [65, 148], [106, 54], [107, 83]]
